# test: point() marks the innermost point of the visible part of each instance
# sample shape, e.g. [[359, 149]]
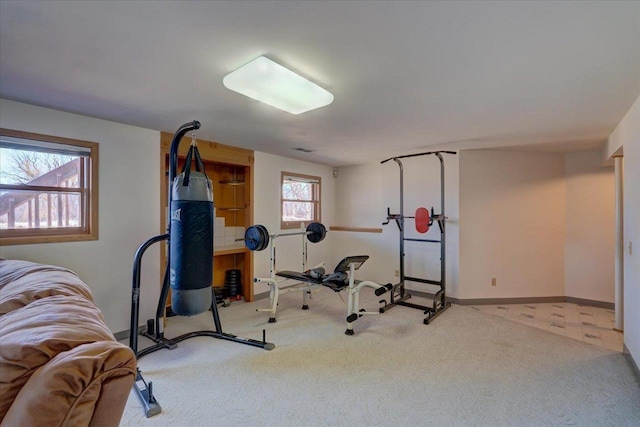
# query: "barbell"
[[256, 238]]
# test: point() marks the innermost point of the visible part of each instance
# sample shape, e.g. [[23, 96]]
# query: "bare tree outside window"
[[23, 166], [35, 168]]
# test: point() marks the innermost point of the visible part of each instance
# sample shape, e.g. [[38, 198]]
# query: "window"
[[48, 189], [300, 199]]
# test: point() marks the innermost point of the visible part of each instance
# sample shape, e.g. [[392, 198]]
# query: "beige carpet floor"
[[467, 368]]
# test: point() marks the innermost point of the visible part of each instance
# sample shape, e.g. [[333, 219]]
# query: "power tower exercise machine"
[[423, 220], [189, 269]]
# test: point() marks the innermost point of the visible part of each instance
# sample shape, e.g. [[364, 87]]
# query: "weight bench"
[[342, 278]]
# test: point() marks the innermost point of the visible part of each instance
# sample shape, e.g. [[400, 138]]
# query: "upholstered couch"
[[59, 363]]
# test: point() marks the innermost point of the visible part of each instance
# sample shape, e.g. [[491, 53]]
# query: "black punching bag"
[[191, 242]]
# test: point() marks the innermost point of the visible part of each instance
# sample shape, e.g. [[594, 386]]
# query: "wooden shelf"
[[231, 172], [229, 250], [232, 182]]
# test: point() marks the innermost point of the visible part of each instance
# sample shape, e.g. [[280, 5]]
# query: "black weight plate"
[[316, 232], [265, 236], [253, 238]]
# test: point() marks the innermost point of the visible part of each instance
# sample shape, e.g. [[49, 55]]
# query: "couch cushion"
[[22, 282], [85, 386], [36, 333]]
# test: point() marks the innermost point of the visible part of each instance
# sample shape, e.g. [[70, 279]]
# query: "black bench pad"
[[296, 275]]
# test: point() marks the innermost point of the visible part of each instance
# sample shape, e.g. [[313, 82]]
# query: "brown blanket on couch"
[[59, 363]]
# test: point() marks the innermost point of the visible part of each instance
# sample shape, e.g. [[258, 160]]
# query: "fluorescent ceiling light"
[[271, 83]]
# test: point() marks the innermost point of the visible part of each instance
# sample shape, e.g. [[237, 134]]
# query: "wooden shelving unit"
[[231, 171]]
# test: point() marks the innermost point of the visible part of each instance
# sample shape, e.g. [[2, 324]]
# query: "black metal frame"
[[155, 329], [398, 295]]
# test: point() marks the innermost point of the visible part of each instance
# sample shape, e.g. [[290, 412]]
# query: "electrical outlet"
[[397, 273], [493, 281]]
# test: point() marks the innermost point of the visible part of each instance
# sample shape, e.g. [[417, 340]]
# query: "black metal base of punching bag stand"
[[155, 329]]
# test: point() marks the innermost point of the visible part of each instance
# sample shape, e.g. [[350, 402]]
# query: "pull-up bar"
[[422, 220], [416, 155]]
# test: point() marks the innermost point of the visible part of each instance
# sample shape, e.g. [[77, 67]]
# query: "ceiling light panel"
[[271, 83]]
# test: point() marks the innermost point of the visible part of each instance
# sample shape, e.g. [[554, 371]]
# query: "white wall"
[[266, 207], [627, 136], [363, 194], [359, 203], [590, 223], [128, 209], [512, 224]]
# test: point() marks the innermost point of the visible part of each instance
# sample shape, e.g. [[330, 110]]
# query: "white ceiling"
[[407, 76]]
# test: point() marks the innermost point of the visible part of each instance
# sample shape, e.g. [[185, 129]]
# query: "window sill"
[[60, 238]]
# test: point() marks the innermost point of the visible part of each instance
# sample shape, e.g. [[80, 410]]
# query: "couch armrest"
[[85, 386]]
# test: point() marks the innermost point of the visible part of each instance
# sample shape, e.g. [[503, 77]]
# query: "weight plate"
[[265, 236], [316, 232], [253, 238]]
